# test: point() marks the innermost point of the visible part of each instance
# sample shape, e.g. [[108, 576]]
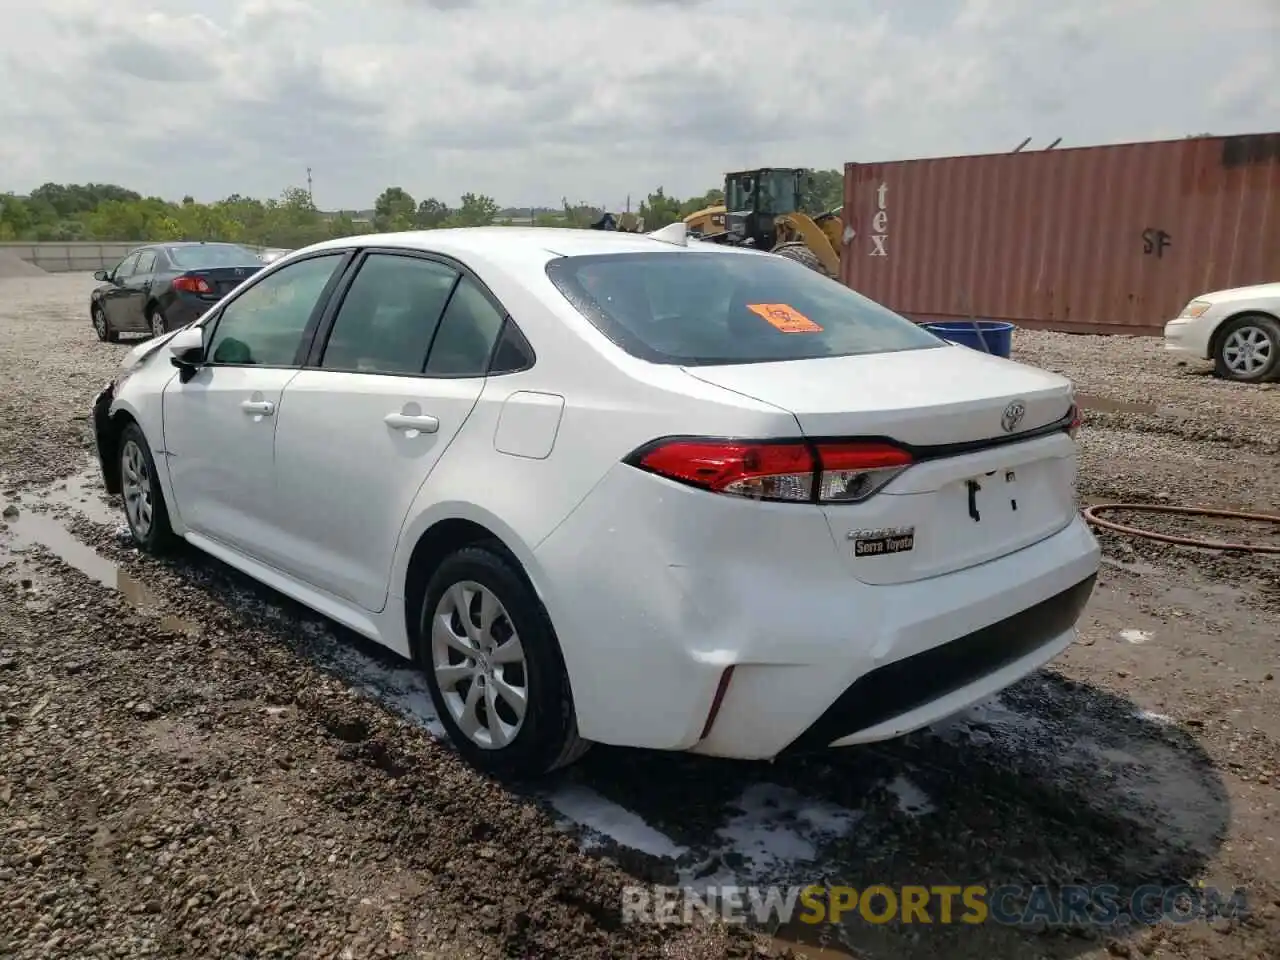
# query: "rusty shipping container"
[[1110, 239]]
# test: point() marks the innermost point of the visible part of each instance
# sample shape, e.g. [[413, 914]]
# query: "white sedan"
[[617, 488], [1238, 329]]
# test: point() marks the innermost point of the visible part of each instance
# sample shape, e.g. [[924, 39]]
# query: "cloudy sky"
[[532, 100]]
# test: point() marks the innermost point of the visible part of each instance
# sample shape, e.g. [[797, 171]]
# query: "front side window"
[[389, 315], [124, 269], [267, 323], [778, 192], [740, 194], [703, 308], [146, 262]]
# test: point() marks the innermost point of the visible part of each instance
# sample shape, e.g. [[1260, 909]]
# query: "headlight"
[[1196, 308]]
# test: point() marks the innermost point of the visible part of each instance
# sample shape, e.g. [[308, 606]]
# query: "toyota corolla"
[[617, 488]]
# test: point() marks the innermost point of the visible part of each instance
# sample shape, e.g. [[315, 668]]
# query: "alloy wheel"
[[1247, 351], [135, 481], [100, 323], [479, 665]]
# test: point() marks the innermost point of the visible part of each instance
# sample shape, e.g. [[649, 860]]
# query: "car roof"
[[522, 246], [170, 244], [198, 243]]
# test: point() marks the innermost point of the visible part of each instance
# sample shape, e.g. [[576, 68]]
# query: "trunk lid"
[[221, 280], [976, 492], [941, 395]]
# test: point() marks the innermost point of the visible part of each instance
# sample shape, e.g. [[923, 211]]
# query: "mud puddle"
[[36, 525], [812, 943]]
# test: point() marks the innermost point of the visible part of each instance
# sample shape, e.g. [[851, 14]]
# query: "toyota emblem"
[[1013, 415]]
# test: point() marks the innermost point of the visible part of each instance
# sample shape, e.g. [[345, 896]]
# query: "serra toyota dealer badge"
[[880, 543]]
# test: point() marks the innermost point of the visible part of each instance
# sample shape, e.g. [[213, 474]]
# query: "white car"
[[617, 488], [1238, 329]]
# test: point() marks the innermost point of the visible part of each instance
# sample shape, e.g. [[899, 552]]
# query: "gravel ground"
[[191, 765]]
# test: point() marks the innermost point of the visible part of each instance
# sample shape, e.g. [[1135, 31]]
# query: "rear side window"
[[468, 332], [389, 316], [700, 308]]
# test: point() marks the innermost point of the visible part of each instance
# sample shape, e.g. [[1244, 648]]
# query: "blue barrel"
[[989, 336]]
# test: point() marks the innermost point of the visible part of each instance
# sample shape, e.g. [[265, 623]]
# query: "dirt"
[[12, 266], [191, 765]]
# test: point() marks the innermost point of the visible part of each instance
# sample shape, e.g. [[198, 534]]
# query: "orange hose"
[[1091, 515]]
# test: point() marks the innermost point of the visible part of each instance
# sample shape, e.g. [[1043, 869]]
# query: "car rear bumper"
[[186, 308], [654, 606], [868, 690], [922, 689]]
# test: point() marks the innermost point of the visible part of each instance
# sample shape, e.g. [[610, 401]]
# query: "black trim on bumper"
[[902, 686], [106, 439]]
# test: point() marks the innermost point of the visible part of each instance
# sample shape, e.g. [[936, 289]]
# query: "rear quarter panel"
[[613, 403]]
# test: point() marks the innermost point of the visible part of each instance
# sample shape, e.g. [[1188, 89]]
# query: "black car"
[[163, 286]]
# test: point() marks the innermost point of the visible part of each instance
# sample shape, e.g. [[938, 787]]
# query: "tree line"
[[103, 211]]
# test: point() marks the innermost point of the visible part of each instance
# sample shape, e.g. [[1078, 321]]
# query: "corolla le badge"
[[1013, 415], [239, 271]]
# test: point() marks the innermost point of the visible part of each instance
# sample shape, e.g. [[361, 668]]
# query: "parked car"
[[1238, 329], [630, 491], [163, 286]]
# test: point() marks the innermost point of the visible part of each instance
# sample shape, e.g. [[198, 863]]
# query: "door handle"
[[258, 408], [404, 421]]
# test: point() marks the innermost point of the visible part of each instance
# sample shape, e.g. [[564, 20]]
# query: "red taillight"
[[192, 285], [1076, 420], [789, 471]]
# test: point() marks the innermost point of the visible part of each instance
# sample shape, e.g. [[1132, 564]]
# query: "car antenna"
[[676, 234]]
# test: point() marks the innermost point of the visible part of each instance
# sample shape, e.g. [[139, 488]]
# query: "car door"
[[113, 298], [135, 292], [398, 368], [219, 425]]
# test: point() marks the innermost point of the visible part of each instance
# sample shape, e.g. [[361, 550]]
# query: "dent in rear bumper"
[[654, 589], [769, 708]]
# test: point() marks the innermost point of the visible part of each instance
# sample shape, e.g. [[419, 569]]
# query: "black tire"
[[802, 255], [548, 737], [1265, 330], [102, 326], [156, 319], [157, 537]]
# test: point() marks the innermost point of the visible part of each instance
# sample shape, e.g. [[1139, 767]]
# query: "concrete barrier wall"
[[69, 257]]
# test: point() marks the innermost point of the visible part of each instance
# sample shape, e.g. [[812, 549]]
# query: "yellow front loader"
[[763, 209]]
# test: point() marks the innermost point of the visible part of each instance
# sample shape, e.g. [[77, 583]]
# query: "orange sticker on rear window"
[[784, 318]]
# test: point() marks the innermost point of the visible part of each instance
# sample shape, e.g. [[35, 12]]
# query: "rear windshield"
[[208, 255], [719, 308]]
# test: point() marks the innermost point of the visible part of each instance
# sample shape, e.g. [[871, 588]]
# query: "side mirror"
[[100, 276], [186, 351]]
